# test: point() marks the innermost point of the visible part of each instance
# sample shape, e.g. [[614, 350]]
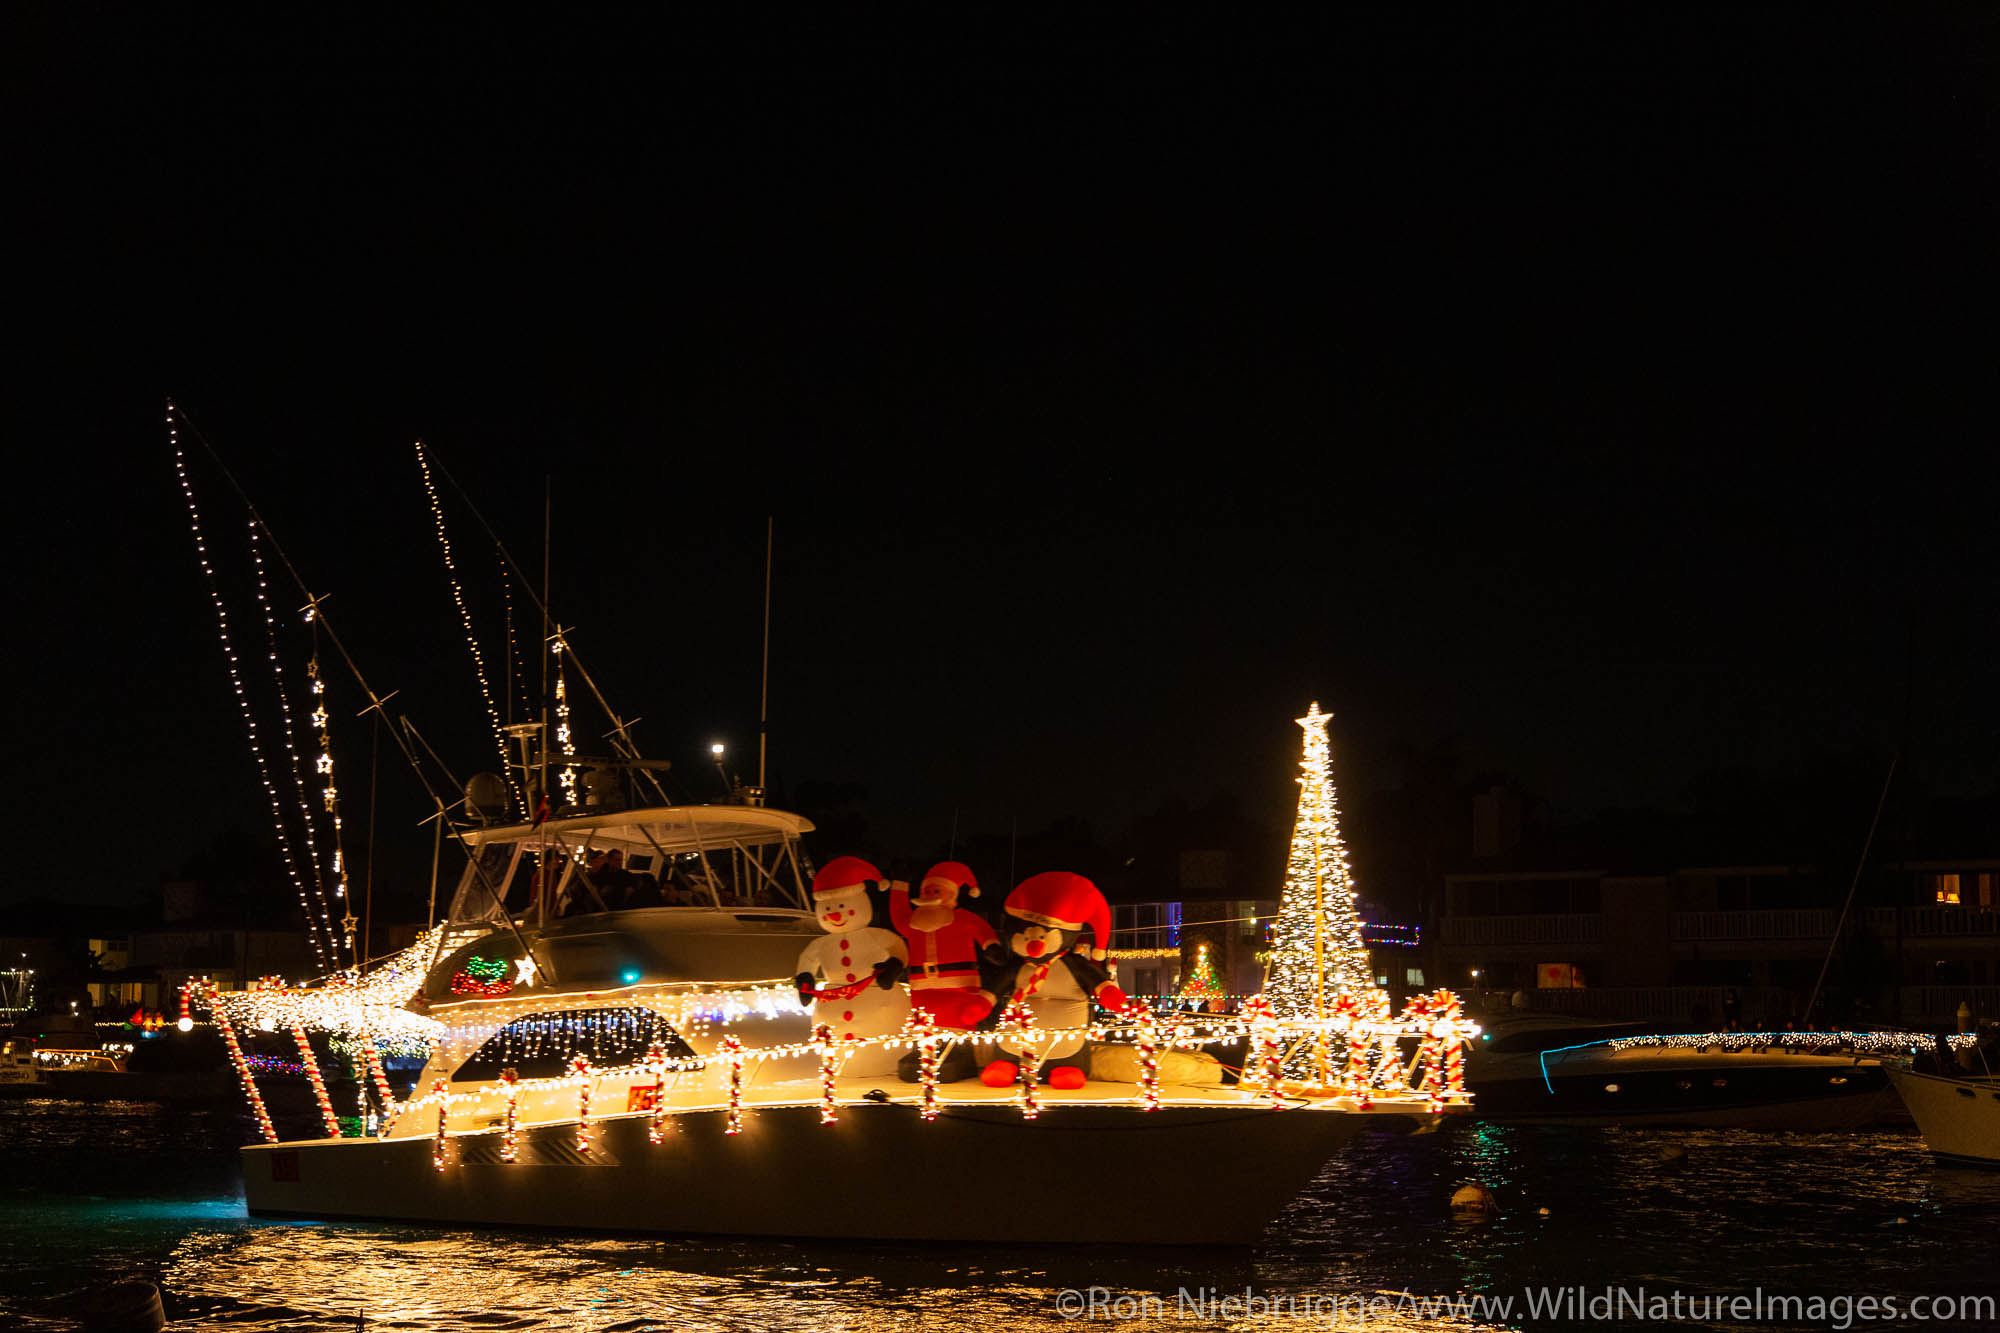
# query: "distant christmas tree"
[[1316, 950], [1202, 981]]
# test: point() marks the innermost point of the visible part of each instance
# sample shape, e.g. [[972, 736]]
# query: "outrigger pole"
[[375, 701], [621, 736]]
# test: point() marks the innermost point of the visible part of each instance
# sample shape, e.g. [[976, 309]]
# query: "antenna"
[[764, 697]]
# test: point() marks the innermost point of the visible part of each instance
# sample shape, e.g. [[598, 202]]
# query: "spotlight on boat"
[[185, 1025], [486, 797]]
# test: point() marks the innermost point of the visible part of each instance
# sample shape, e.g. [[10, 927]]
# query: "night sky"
[[1613, 396]]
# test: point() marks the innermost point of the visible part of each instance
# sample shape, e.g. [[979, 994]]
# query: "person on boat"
[[643, 891]]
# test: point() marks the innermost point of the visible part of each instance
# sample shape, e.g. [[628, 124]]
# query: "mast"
[[764, 696]]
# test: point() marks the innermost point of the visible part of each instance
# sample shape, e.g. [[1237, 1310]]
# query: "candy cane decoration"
[[581, 1069], [1028, 1074], [656, 1060], [1149, 1056], [1264, 1028], [829, 1063], [438, 1143], [1359, 1066], [1454, 1048], [380, 1079], [306, 1058], [228, 1031], [732, 1050], [510, 1137], [927, 1064]]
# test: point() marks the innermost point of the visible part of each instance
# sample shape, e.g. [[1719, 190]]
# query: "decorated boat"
[[1553, 1069], [642, 1016], [655, 1068]]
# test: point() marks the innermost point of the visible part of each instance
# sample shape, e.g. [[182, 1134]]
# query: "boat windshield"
[[670, 856]]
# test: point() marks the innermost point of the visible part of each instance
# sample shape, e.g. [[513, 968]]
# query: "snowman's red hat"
[[1061, 900], [844, 872], [957, 872]]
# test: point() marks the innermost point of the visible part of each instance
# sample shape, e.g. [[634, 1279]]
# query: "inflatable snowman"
[[850, 976]]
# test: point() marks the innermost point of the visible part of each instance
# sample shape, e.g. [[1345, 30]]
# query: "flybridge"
[[720, 856]]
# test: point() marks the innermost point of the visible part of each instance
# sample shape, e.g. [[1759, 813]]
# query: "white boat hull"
[[1958, 1117], [1188, 1174]]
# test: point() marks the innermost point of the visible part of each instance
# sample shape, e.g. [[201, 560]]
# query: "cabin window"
[[543, 1045]]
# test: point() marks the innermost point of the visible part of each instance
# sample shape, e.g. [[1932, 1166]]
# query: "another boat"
[[1958, 1117], [1555, 1070], [652, 1069], [21, 1074]]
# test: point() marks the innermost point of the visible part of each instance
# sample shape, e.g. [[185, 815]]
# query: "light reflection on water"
[[102, 1192]]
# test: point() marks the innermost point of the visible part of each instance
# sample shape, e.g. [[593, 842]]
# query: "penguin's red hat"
[[1061, 900], [957, 872], [844, 872]]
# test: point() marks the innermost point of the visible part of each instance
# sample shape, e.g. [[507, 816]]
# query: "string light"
[[372, 1056], [484, 977], [656, 1124], [331, 794], [926, 1033], [568, 778], [1317, 952], [1149, 1058], [458, 599], [829, 1065], [732, 1051], [311, 1064], [581, 1069], [1879, 1043], [316, 878], [236, 680], [1202, 983], [256, 1098], [510, 1137], [438, 1143]]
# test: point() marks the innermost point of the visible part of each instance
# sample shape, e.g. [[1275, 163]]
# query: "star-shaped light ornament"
[[524, 971]]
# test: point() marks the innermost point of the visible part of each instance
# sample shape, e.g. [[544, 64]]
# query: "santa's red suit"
[[945, 943]]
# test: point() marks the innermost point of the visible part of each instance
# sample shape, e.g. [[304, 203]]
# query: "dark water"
[[98, 1192]]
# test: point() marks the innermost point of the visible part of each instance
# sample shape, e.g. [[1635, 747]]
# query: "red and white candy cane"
[[580, 1067], [732, 1051], [1271, 1046], [1149, 1055], [656, 1060], [829, 1064], [228, 1031], [438, 1142], [510, 1135]]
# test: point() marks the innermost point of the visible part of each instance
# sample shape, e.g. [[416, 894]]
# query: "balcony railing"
[[1785, 924], [1947, 921], [1553, 928]]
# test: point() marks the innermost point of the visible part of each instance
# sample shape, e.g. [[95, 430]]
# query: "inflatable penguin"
[[849, 976], [1050, 969], [947, 943]]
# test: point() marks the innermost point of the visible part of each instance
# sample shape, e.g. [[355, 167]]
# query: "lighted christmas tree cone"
[[1318, 959]]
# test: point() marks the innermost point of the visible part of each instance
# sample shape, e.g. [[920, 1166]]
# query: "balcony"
[[1787, 924], [1553, 928], [1941, 922]]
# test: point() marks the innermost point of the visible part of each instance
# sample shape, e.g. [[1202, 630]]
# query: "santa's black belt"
[[944, 969]]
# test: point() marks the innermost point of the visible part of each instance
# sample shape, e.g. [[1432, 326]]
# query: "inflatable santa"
[[1057, 934], [946, 943], [849, 976]]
